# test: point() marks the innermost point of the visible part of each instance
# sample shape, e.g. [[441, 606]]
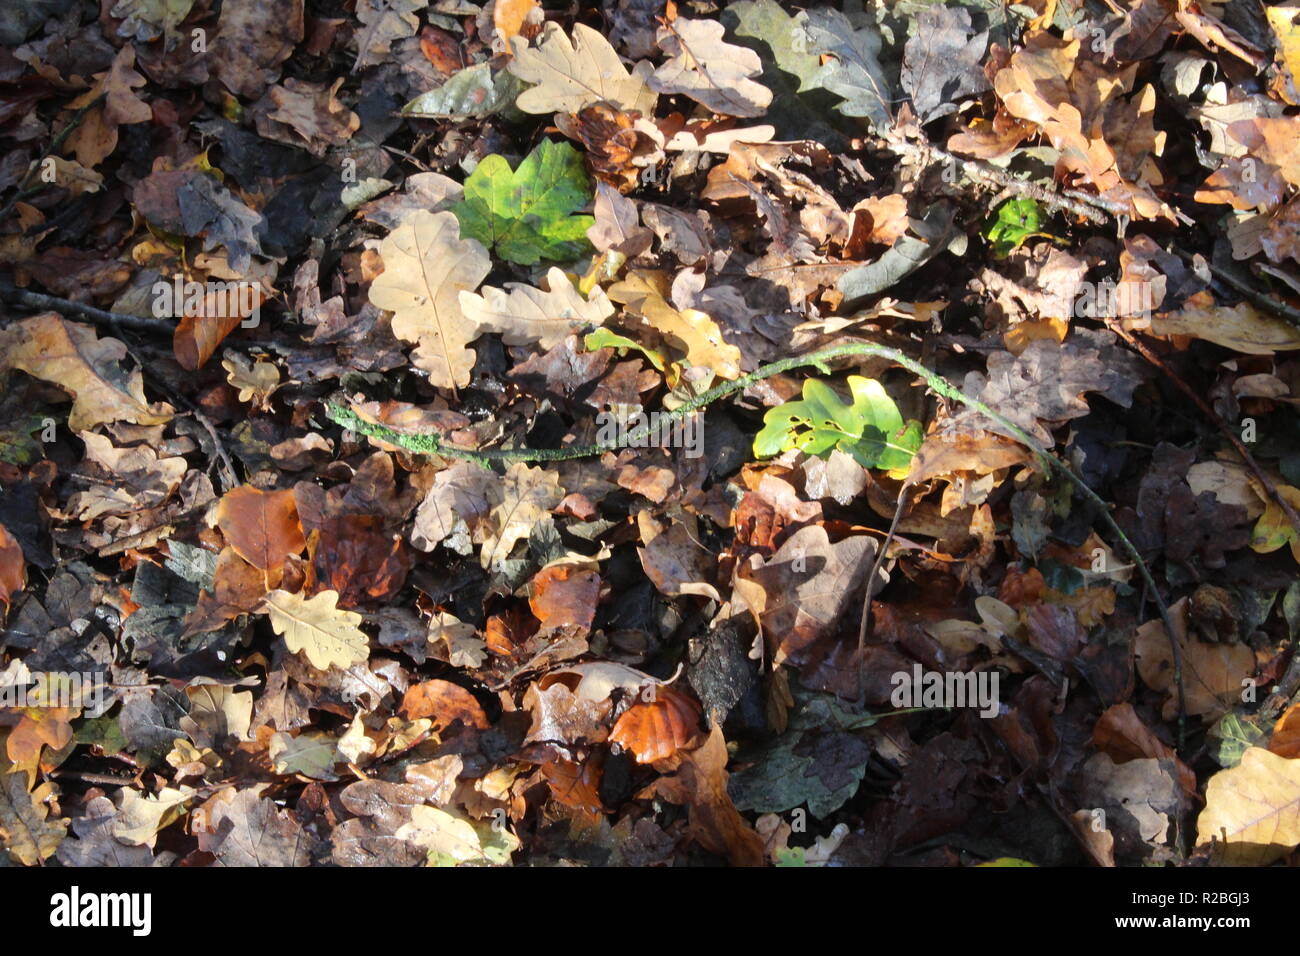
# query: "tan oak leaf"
[[571, 74], [70, 356], [1252, 810], [426, 267], [524, 315], [709, 70], [318, 628], [527, 494]]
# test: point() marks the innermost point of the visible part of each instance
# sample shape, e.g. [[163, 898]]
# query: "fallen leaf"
[[426, 267], [572, 74], [70, 356], [1213, 674], [28, 832], [526, 494], [317, 628], [1241, 327], [1252, 811], [526, 214], [656, 728], [451, 838], [261, 526], [709, 70], [701, 783], [13, 568], [244, 828], [445, 703], [524, 315]]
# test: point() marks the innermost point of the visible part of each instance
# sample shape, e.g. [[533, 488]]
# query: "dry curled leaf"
[[70, 356]]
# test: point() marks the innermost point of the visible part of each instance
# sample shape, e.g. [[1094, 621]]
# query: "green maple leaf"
[[526, 213], [869, 428]]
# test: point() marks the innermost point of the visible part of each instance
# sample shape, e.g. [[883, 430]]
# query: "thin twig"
[[101, 779], [228, 476], [39, 300], [1093, 208], [864, 625], [23, 191]]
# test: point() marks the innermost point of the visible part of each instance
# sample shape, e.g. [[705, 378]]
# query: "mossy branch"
[[431, 444]]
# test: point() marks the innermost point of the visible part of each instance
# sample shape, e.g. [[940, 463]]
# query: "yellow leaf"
[[141, 817], [452, 838], [426, 267], [644, 294], [255, 382], [317, 628], [1281, 19], [1252, 810], [1274, 529]]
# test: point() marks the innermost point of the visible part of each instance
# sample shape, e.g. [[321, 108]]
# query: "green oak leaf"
[[870, 428], [1016, 222], [527, 213]]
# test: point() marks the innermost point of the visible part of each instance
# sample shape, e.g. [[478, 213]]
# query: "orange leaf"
[[197, 336], [714, 820], [13, 569], [657, 728], [575, 785], [565, 596], [40, 726], [353, 555], [1286, 733], [442, 50], [444, 702], [262, 526], [509, 17]]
